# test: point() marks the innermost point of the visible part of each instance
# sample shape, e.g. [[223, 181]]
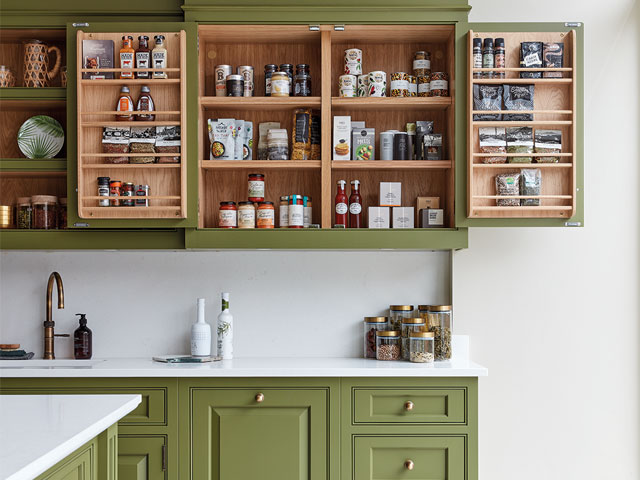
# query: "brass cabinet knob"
[[260, 397], [408, 464], [408, 405]]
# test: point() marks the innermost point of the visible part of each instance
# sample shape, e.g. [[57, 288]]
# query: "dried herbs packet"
[[519, 140], [116, 140], [508, 184], [548, 141], [518, 97], [432, 146], [552, 57], [168, 141], [143, 140], [530, 184], [487, 97], [493, 140], [531, 57]]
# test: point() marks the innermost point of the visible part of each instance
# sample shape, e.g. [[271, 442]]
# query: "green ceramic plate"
[[40, 137]]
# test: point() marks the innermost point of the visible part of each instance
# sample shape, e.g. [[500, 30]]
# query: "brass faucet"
[[49, 323]]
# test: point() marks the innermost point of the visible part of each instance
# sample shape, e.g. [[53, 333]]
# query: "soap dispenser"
[[200, 334], [82, 345]]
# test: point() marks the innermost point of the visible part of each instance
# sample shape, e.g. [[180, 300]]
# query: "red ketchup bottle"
[[355, 205], [341, 207]]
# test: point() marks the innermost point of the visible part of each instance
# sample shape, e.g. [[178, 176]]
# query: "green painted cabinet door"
[[141, 457], [409, 458], [80, 465], [271, 434]]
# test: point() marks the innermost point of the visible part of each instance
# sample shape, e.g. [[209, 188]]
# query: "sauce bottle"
[[125, 105], [143, 56], [341, 204], [355, 205], [145, 104], [127, 56], [82, 341], [159, 56]]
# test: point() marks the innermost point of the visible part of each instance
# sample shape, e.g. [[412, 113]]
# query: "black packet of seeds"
[[531, 57], [518, 97], [487, 97], [552, 57]]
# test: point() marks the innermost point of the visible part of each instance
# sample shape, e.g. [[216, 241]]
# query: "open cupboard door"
[[552, 191], [157, 168]]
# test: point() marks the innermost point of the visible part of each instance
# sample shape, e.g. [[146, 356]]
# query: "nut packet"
[[552, 57], [530, 184]]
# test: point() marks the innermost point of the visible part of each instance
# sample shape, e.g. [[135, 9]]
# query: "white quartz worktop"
[[246, 367], [40, 430]]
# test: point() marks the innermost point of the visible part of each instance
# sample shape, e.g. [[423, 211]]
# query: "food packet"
[[316, 136], [168, 141], [247, 145], [548, 141], [518, 97], [487, 97], [519, 140], [508, 184], [143, 140], [222, 138], [239, 140], [552, 57], [301, 134], [432, 149], [263, 130], [116, 140], [530, 184], [493, 140], [530, 57]]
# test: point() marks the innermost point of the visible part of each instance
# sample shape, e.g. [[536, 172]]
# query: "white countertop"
[[242, 367], [40, 430]]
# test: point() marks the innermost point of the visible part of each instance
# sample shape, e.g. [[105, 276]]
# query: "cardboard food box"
[[97, 54], [379, 217], [342, 138], [426, 202], [390, 194], [431, 218], [403, 217], [363, 144]]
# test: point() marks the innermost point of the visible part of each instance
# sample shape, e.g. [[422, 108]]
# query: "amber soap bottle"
[[82, 348]]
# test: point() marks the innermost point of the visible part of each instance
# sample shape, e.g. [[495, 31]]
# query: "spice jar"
[[397, 313], [246, 215], [421, 347], [128, 189], [24, 213], [256, 187], [269, 70], [235, 86], [114, 191], [280, 86], [422, 63], [388, 345], [283, 212], [44, 211], [266, 215], [439, 84], [103, 191], [227, 215], [62, 213], [371, 326], [439, 323], [409, 326]]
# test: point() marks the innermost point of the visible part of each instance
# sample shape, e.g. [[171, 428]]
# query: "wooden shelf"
[[259, 103], [116, 123], [520, 69], [551, 208], [33, 94], [391, 103], [113, 112], [517, 112], [391, 165], [522, 165], [120, 70], [129, 166], [520, 197], [525, 81], [28, 165], [124, 197], [261, 164], [530, 123], [563, 154], [128, 81]]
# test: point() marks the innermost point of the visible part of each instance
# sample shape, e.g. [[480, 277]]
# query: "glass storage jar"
[[421, 347], [388, 345], [44, 211], [62, 213], [24, 213], [397, 313], [439, 322], [371, 326], [409, 326]]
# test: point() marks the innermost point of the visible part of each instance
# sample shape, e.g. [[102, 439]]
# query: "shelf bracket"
[[573, 24], [314, 28], [339, 28], [80, 24]]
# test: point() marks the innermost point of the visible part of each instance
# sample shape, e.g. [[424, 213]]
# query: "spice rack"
[[554, 108], [96, 100], [385, 47]]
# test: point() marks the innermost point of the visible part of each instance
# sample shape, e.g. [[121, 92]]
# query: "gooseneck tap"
[[49, 323]]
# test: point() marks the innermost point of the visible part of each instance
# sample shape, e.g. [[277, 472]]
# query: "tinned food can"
[[348, 85], [377, 84], [247, 75], [142, 191], [221, 72], [363, 85], [399, 84], [353, 61]]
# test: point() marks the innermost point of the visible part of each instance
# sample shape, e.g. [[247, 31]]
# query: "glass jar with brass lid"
[[421, 347], [44, 212], [409, 326], [397, 313], [388, 345], [439, 322], [23, 212], [371, 326]]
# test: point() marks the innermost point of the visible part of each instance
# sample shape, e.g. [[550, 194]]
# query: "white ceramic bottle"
[[225, 330], [201, 334]]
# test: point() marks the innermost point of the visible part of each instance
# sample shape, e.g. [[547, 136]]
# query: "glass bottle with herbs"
[[439, 322]]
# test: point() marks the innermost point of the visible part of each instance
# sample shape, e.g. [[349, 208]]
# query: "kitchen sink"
[[62, 363]]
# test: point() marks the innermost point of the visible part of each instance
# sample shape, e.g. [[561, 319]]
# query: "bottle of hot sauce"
[[341, 207], [127, 54], [355, 205]]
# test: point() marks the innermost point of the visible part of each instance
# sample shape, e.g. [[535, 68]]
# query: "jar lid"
[[124, 89], [301, 76], [260, 175], [444, 74], [115, 181], [145, 89], [416, 320], [104, 179], [244, 203], [286, 65], [284, 198], [265, 203], [63, 201], [270, 66], [302, 65], [281, 73], [387, 333], [438, 308], [227, 203], [129, 183], [23, 200], [234, 77], [422, 52], [376, 319], [403, 308], [44, 199], [421, 335]]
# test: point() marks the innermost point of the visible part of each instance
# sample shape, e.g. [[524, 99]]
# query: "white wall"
[[554, 313]]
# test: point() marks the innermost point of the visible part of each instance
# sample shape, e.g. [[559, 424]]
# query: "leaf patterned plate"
[[40, 137]]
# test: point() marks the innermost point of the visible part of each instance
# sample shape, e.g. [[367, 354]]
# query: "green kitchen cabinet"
[[142, 457]]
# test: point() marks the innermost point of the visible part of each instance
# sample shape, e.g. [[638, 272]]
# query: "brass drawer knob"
[[260, 397], [408, 464], [408, 405]]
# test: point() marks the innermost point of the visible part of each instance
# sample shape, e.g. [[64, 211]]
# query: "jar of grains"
[[421, 63], [397, 313], [421, 347], [371, 326], [388, 345], [409, 326], [44, 211], [439, 323], [439, 84], [24, 213], [62, 213]]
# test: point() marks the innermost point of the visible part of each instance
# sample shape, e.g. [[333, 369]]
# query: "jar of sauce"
[[145, 104], [355, 205], [128, 190], [283, 213], [302, 87], [256, 187], [127, 54], [124, 105], [228, 215], [269, 70], [235, 86], [341, 203], [288, 69], [143, 56], [280, 85], [266, 215], [114, 191], [159, 57], [246, 215], [296, 211]]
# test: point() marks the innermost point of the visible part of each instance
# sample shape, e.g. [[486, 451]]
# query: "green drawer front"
[[389, 458], [140, 457], [429, 405]]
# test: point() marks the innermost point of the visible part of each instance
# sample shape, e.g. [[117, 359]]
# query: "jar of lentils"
[[409, 326], [24, 213], [439, 323], [371, 326], [397, 313], [421, 347], [44, 211], [388, 345]]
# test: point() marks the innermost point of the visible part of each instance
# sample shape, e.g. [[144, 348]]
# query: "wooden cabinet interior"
[[96, 110], [385, 47], [554, 108]]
